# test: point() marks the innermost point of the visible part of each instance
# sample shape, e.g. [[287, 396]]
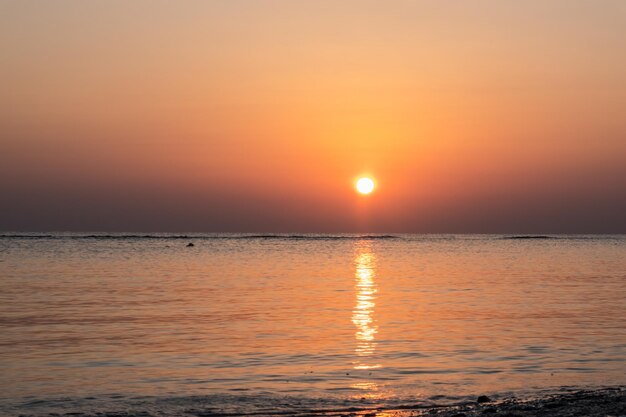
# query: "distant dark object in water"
[[190, 244], [203, 237], [483, 399], [530, 237]]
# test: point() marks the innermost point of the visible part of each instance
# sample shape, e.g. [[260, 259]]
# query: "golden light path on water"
[[322, 321], [363, 313]]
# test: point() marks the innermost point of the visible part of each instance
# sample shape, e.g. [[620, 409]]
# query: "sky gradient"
[[472, 116]]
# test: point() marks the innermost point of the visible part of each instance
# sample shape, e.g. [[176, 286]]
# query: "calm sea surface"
[[241, 323]]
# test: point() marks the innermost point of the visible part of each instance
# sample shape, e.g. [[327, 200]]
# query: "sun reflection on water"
[[363, 313]]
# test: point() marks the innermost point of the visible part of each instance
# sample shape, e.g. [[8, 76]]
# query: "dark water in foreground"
[[242, 323]]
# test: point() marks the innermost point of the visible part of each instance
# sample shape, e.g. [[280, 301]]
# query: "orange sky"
[[473, 116]]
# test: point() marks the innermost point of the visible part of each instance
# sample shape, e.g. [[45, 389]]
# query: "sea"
[[288, 324]]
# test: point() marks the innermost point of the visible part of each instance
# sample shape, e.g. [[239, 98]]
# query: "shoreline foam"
[[601, 402]]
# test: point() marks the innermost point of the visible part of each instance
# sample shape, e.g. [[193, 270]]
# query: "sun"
[[365, 185]]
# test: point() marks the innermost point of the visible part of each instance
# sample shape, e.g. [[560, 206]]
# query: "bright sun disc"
[[365, 185]]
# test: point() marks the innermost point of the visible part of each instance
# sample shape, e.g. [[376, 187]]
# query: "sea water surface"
[[299, 323]]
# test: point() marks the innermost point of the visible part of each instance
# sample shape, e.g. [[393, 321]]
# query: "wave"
[[530, 237], [576, 400], [230, 405], [319, 237], [563, 237], [198, 237], [301, 237]]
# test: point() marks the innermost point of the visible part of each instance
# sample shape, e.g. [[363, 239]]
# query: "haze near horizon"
[[241, 116]]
